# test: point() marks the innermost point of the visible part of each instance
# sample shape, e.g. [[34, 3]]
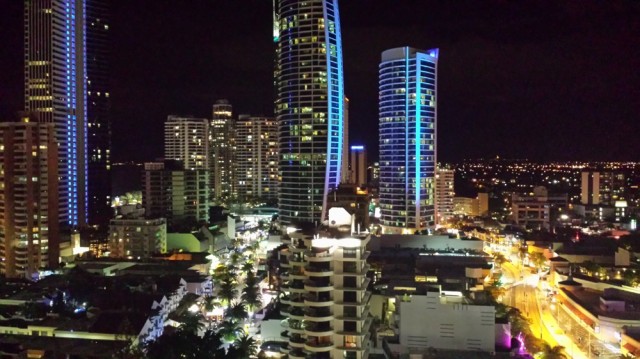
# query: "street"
[[524, 296]]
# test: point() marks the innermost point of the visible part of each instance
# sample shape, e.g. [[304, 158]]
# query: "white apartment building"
[[325, 299], [256, 157], [452, 323], [186, 140]]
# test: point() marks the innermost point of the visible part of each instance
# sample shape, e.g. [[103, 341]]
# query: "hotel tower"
[[309, 107], [407, 95], [66, 84]]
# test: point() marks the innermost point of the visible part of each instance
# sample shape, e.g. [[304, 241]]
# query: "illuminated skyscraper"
[[29, 238], [98, 111], [358, 166], [407, 139], [256, 158], [186, 140], [310, 99], [66, 84], [222, 145]]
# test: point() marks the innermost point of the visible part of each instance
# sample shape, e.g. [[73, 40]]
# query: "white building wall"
[[428, 321]]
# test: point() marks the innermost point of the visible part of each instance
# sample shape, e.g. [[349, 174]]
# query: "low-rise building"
[[454, 323], [137, 238]]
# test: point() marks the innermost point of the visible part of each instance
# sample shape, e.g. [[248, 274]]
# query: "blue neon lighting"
[[334, 89], [418, 134], [357, 148]]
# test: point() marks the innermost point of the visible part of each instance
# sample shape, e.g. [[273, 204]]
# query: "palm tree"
[[251, 297], [496, 291], [247, 267], [191, 323], [538, 259], [237, 312], [549, 352], [244, 347], [227, 290], [211, 345], [499, 259], [229, 331]]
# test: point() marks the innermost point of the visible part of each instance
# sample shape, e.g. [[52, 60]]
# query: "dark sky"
[[534, 79]]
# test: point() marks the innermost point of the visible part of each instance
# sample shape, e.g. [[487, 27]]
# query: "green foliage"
[[538, 259], [556, 352], [237, 312], [229, 331], [499, 259], [243, 347], [191, 323]]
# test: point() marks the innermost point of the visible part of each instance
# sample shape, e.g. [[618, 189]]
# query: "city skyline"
[[509, 71]]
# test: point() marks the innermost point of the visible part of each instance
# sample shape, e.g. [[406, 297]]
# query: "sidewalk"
[[551, 324]]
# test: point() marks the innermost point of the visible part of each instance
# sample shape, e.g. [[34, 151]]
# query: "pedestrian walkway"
[[551, 323]]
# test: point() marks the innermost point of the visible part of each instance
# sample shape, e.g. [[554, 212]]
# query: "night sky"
[[544, 80]]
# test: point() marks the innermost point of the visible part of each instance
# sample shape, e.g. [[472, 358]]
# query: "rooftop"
[[590, 301]]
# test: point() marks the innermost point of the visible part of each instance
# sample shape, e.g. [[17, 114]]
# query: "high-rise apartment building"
[[222, 139], [169, 191], [97, 41], [310, 107], [28, 198], [407, 96], [602, 187], [186, 140], [358, 166], [66, 84], [325, 295], [256, 158], [444, 194]]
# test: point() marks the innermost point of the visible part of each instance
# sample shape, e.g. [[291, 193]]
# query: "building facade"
[[444, 194], [310, 107], [256, 158], [29, 236], [169, 191], [407, 94], [453, 324], [358, 166], [345, 173], [98, 44], [186, 140], [325, 296], [137, 238], [222, 146], [602, 187], [55, 91], [355, 201]]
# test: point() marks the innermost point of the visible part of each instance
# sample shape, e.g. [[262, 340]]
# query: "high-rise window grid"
[[310, 100], [407, 86]]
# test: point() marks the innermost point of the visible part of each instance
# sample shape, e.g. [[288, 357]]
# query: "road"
[[522, 295]]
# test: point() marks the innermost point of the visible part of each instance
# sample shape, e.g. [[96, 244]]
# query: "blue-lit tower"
[[309, 106], [56, 92], [407, 85]]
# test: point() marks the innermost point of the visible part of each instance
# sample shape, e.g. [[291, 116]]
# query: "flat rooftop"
[[590, 301]]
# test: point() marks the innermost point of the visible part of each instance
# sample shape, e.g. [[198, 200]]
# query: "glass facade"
[[98, 106], [309, 107], [56, 81], [407, 86]]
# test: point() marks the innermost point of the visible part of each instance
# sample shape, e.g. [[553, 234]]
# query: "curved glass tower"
[[309, 106], [407, 139]]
